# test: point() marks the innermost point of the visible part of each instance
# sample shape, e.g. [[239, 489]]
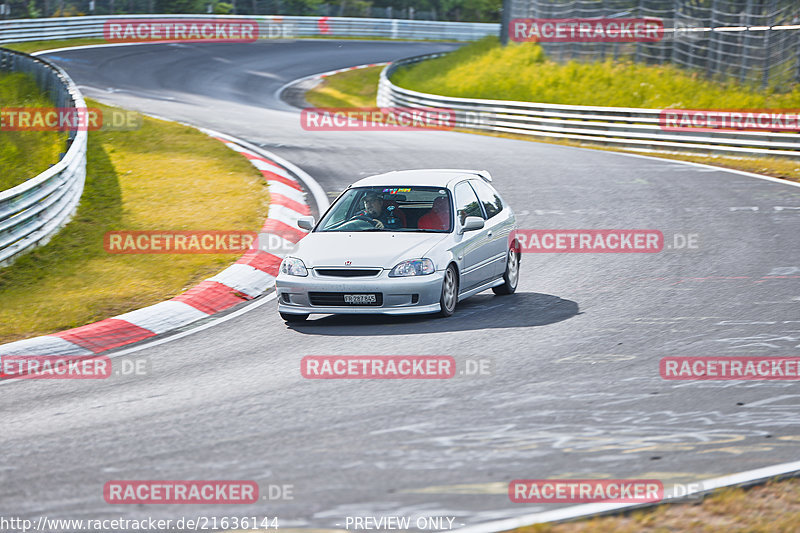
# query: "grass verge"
[[770, 508], [38, 46], [354, 88], [25, 154], [164, 176]]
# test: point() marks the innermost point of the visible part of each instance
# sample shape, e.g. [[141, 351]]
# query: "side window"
[[466, 202], [488, 197]]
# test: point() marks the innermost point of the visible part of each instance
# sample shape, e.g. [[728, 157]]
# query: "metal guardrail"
[[269, 26], [32, 212], [636, 128]]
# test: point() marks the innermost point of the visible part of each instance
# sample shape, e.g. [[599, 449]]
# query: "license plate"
[[359, 299]]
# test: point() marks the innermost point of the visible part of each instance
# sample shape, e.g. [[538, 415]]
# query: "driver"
[[373, 208]]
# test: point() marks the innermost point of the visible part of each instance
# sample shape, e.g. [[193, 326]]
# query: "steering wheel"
[[357, 223], [365, 218]]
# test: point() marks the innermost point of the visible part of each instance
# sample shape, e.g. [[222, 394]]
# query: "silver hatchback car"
[[412, 241]]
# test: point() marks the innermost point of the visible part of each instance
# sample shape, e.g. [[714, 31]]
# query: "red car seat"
[[438, 217]]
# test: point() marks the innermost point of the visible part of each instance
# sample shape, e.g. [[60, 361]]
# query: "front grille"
[[336, 299], [347, 272]]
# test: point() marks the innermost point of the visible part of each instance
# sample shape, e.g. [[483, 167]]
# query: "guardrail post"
[[744, 43], [765, 74], [505, 21]]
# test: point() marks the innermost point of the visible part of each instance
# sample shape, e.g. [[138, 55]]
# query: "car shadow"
[[484, 311]]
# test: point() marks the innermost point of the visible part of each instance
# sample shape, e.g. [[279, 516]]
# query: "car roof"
[[435, 177]]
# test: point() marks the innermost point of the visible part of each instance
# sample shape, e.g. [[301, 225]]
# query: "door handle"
[[490, 233]]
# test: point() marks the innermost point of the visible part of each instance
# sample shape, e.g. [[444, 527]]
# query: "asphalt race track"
[[575, 389]]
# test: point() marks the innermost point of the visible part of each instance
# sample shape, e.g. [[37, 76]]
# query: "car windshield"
[[400, 208]]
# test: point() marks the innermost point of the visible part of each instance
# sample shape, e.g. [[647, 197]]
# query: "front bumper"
[[401, 296]]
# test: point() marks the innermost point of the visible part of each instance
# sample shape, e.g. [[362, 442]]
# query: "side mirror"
[[306, 223], [472, 224]]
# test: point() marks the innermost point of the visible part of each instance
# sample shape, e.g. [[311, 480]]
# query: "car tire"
[[449, 297], [291, 318], [510, 276]]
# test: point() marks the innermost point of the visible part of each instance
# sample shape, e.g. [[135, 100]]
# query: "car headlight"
[[293, 266], [413, 267]]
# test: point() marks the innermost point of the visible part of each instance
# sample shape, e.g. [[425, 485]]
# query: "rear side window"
[[466, 202], [488, 197]]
